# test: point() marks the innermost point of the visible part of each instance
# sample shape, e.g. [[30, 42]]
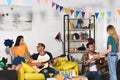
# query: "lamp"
[[58, 38]]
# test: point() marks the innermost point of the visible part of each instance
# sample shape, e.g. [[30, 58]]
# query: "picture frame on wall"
[[15, 18]]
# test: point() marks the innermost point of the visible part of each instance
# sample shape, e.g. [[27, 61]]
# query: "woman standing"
[[18, 51], [112, 49]]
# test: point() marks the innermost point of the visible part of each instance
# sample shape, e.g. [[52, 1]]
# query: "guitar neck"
[[54, 58]]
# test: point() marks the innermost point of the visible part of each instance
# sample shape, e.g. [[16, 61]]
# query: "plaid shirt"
[[85, 66]]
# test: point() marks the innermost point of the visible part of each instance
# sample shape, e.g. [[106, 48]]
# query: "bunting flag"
[[102, 14], [109, 13], [83, 14], [61, 8], [71, 11], [66, 10], [90, 14], [118, 12], [53, 4], [46, 1], [96, 15], [77, 13], [38, 1], [57, 6], [28, 1], [9, 2], [20, 1]]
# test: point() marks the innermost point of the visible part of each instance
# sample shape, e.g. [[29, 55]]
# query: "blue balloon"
[[8, 43]]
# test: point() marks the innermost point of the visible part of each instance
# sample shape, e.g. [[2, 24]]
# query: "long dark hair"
[[17, 43]]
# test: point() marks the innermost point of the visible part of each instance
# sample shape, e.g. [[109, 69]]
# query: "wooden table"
[[79, 78]]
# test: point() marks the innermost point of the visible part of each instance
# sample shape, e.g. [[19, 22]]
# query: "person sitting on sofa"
[[43, 56], [91, 67]]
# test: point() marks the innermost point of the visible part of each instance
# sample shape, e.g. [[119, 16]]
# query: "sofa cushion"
[[27, 68], [67, 65], [61, 59], [34, 76]]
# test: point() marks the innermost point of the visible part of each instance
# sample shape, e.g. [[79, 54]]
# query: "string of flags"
[[67, 10], [83, 13]]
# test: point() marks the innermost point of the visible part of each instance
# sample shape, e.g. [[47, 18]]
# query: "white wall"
[[47, 22]]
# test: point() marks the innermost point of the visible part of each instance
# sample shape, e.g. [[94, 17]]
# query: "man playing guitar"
[[41, 57]]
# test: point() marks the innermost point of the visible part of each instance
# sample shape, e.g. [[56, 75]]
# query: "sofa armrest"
[[76, 68], [21, 74], [62, 59]]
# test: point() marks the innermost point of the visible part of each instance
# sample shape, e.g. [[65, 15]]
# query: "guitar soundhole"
[[40, 66]]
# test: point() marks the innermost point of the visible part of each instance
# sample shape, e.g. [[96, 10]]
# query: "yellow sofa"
[[63, 65]]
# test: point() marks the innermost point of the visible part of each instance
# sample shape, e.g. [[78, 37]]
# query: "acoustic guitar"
[[45, 63]]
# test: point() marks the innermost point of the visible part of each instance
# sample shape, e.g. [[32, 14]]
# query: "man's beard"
[[92, 51]]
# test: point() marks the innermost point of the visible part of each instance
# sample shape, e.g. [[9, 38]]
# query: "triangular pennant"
[[9, 2], [20, 1], [38, 1], [90, 14], [28, 1], [61, 8], [118, 12], [96, 15], [77, 13], [66, 10], [71, 11], [102, 14], [109, 13], [53, 4], [57, 6], [83, 14], [46, 1]]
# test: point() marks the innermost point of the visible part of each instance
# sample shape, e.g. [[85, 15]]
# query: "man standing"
[[91, 65], [45, 56]]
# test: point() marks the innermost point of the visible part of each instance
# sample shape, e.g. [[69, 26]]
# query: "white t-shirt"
[[45, 57], [92, 64], [42, 58]]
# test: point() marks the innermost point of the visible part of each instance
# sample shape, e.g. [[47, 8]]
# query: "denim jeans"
[[112, 64], [17, 60], [93, 75], [48, 70]]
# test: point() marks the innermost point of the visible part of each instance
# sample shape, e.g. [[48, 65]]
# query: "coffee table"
[[50, 78], [79, 78]]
